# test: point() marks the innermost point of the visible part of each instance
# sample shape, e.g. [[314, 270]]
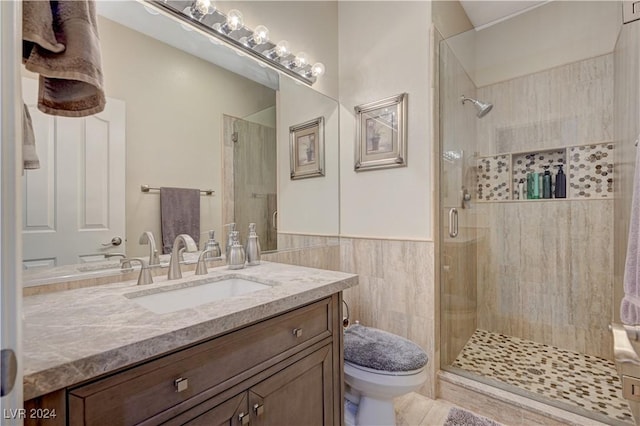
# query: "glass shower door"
[[458, 208]]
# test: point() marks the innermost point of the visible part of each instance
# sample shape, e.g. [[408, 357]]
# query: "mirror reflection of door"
[[254, 176], [74, 204]]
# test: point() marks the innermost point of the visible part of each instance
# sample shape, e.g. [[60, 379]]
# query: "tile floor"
[[587, 382]]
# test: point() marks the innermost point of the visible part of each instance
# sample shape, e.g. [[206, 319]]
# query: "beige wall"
[[449, 18], [543, 38], [174, 106], [378, 60], [627, 129]]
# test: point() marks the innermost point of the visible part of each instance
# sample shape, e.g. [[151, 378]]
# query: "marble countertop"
[[75, 335]]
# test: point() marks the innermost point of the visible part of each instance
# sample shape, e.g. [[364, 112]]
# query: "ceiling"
[[483, 14]]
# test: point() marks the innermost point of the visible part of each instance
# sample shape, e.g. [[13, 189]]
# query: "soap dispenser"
[[236, 257], [212, 245], [253, 246], [561, 183], [546, 183], [232, 228]]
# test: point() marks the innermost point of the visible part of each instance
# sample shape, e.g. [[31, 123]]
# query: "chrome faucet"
[[148, 238], [182, 240]]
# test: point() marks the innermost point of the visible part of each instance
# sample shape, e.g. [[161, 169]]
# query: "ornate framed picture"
[[306, 149], [381, 134]]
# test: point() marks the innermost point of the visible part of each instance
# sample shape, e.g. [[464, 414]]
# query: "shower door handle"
[[453, 222]]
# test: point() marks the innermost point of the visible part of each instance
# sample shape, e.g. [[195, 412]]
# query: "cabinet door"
[[299, 395], [230, 413]]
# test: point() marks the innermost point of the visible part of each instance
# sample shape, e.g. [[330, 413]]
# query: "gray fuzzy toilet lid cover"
[[380, 350]]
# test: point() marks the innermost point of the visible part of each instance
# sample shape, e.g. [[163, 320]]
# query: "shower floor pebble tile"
[[588, 382]]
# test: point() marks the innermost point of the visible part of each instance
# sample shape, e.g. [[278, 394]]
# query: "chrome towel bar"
[[147, 188]]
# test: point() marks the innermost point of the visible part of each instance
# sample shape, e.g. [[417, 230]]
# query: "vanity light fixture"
[[203, 16]]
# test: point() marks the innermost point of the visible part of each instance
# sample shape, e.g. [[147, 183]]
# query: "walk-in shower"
[[527, 286]]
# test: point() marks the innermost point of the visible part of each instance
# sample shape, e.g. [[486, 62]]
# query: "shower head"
[[482, 107]]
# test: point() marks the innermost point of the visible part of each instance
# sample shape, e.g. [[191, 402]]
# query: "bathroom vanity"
[[272, 356]]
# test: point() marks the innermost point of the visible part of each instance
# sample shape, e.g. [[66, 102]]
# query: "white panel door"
[[10, 275], [74, 203]]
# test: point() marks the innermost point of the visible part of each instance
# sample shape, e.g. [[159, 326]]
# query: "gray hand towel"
[[60, 42], [29, 156], [179, 214]]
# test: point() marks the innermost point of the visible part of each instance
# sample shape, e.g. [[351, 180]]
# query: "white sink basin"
[[172, 300]]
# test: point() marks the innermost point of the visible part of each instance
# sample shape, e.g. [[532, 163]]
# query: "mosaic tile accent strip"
[[584, 381], [591, 171], [534, 162], [493, 178]]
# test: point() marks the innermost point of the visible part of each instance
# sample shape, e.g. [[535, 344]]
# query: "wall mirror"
[[191, 112]]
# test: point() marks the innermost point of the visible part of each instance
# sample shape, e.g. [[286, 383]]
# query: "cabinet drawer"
[[141, 392]]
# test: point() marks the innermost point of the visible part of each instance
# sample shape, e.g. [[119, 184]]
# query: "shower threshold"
[[583, 384]]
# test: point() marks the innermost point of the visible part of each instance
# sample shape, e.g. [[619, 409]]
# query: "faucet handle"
[[125, 263], [145, 273], [201, 267]]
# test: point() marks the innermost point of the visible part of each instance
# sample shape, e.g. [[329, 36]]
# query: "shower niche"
[[588, 170]]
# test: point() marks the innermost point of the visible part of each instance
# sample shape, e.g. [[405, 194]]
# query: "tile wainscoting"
[[396, 291]]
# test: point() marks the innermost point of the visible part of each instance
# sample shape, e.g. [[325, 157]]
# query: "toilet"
[[378, 367]]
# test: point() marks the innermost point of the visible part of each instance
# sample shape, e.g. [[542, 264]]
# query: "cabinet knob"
[[244, 418], [258, 409], [181, 384], [297, 332]]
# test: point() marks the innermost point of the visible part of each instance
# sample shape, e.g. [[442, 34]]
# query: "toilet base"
[[375, 412]]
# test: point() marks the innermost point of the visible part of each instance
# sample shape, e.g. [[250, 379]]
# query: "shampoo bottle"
[[561, 183], [546, 183], [521, 189], [533, 180]]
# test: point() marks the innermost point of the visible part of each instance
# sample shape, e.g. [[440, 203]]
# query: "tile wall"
[[396, 291], [546, 270]]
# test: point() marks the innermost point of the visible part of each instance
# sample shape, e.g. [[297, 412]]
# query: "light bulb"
[[317, 69], [199, 9], [300, 60], [234, 20], [260, 35], [282, 48]]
